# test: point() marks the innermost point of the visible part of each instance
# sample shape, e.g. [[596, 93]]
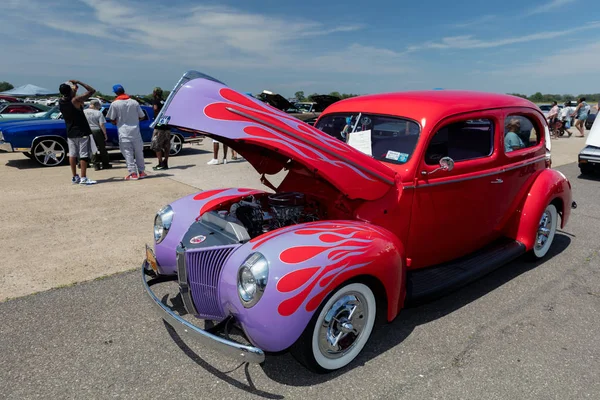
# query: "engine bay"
[[260, 214]]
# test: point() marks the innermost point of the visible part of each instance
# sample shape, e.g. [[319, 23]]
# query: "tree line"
[[539, 97]]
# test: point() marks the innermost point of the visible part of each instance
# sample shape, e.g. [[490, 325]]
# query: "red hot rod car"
[[389, 198]]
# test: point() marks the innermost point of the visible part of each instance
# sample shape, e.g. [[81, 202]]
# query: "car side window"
[[519, 133], [145, 116], [461, 141]]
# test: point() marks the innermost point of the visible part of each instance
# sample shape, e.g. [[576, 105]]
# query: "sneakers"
[[87, 181], [142, 175], [132, 177], [75, 180], [214, 161], [158, 167]]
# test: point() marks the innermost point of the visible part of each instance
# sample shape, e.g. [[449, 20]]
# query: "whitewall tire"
[[340, 330], [545, 232]]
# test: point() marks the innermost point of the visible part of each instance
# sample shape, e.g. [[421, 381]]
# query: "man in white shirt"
[[97, 124], [126, 114]]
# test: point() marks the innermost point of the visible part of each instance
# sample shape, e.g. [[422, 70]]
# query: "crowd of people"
[[560, 119], [86, 132]]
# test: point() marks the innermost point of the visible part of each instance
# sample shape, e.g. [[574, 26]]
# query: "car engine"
[[263, 214]]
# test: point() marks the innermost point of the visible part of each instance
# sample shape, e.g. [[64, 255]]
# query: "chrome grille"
[[204, 267]]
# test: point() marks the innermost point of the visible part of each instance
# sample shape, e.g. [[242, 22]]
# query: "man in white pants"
[[126, 113]]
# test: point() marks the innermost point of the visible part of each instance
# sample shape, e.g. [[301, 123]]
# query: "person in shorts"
[[581, 113], [161, 137], [78, 129]]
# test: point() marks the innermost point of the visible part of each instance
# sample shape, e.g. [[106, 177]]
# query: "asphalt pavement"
[[526, 331]]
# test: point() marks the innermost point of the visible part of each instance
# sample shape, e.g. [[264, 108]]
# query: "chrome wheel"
[[545, 232], [49, 152], [343, 326], [176, 145]]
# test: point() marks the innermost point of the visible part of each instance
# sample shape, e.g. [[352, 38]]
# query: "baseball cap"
[[117, 87]]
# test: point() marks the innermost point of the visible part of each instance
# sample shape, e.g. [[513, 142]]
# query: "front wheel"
[[545, 232], [339, 331], [50, 152]]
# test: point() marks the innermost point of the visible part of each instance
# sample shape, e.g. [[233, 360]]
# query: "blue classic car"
[[45, 140]]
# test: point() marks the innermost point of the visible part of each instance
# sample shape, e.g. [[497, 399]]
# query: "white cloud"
[[470, 42], [553, 5], [476, 22]]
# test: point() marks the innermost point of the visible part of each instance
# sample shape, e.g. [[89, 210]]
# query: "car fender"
[[187, 210], [306, 263], [550, 186]]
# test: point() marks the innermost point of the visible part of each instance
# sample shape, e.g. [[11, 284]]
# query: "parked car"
[[8, 99], [302, 110], [52, 113], [426, 199], [14, 111], [589, 156], [45, 141]]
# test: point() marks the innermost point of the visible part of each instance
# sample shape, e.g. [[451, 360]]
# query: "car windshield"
[[545, 108], [303, 106], [385, 138], [52, 113]]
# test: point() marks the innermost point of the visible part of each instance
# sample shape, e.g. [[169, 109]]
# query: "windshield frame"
[[374, 114]]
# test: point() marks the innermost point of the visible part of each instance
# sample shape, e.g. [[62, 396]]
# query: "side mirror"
[[446, 164]]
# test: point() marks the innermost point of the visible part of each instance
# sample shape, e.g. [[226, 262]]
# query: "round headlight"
[[162, 223], [252, 279]]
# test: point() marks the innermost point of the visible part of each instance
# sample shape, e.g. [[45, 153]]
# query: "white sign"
[[361, 141]]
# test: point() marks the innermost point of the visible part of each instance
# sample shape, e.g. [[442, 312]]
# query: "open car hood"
[[593, 138], [323, 101], [270, 139], [277, 101]]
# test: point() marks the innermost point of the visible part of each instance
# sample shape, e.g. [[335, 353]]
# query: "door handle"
[[498, 180]]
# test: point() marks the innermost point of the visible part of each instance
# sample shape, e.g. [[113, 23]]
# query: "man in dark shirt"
[[78, 129], [161, 138]]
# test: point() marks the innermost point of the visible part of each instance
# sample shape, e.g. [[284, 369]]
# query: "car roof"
[[429, 104]]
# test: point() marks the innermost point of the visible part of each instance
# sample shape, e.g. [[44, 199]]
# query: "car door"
[[111, 130], [455, 210], [145, 129], [521, 163]]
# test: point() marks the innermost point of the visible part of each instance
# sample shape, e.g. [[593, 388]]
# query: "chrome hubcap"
[[343, 324], [544, 231], [49, 152], [175, 144]]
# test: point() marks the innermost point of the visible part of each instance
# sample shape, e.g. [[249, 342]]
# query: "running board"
[[430, 283]]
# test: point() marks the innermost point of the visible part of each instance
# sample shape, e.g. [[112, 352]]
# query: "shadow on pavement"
[[589, 177], [282, 368]]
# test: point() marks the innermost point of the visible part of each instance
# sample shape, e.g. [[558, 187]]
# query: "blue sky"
[[315, 46]]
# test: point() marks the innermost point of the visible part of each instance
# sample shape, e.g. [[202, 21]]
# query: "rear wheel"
[[176, 145], [340, 329], [545, 232], [49, 152]]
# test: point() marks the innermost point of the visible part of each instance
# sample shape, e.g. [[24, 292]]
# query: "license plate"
[[151, 259]]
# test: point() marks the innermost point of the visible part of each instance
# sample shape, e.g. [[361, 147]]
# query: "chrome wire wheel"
[[343, 326], [546, 231], [49, 152], [176, 145]]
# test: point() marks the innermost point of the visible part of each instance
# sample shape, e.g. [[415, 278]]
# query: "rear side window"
[[520, 133], [461, 141]]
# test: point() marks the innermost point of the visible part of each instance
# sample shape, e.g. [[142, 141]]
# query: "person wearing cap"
[[98, 126], [161, 137], [78, 129], [126, 114]]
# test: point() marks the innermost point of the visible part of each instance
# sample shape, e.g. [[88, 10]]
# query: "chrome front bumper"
[[6, 146], [229, 348]]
